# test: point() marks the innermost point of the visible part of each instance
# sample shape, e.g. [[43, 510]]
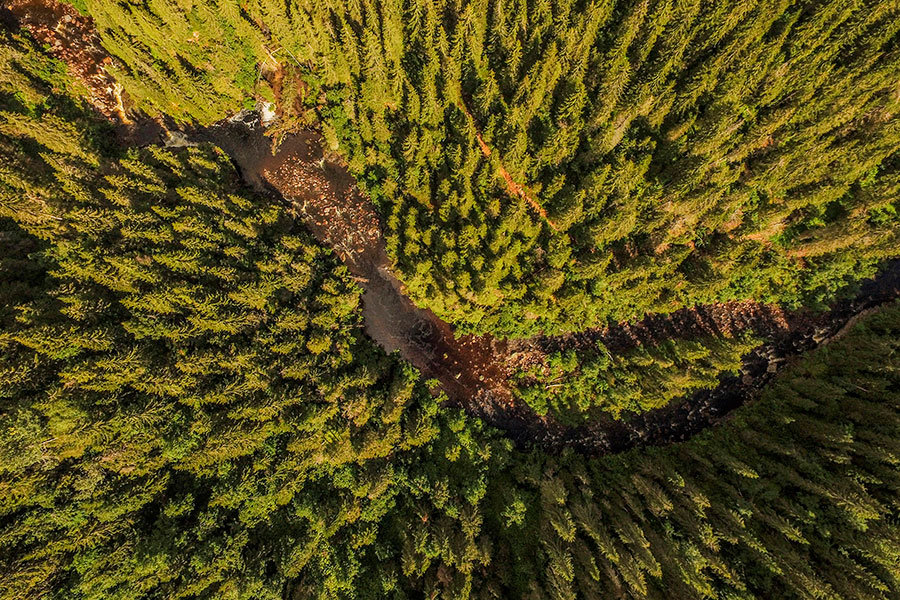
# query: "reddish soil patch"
[[728, 319], [514, 188], [71, 38], [714, 320], [473, 370]]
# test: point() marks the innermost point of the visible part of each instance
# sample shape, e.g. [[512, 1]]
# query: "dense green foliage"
[[574, 381], [202, 63], [796, 497], [684, 151], [189, 407]]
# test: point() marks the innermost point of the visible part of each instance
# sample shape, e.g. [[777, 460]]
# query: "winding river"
[[471, 369]]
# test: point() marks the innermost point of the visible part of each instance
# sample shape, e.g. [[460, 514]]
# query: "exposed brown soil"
[[471, 370], [515, 189], [713, 320], [798, 333], [325, 196], [474, 371], [729, 319], [71, 38]]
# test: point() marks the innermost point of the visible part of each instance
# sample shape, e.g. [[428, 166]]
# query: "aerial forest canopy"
[[594, 213], [545, 166]]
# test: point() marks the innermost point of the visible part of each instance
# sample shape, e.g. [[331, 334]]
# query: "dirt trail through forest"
[[472, 370]]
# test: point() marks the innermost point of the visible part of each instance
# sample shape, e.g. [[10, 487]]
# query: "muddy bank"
[[325, 196], [72, 38], [727, 318], [682, 420], [319, 187]]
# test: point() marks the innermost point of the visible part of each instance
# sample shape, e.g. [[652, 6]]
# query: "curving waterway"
[[471, 369], [324, 194]]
